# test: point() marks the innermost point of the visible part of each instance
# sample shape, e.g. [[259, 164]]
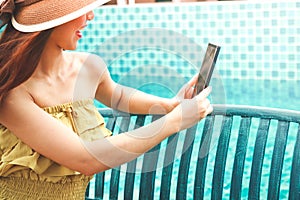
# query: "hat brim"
[[58, 21]]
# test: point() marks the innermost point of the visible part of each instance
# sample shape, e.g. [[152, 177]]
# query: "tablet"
[[207, 68]]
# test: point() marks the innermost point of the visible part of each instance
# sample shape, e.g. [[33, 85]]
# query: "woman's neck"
[[53, 62]]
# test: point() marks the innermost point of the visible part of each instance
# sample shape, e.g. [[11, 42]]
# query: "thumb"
[[204, 93]]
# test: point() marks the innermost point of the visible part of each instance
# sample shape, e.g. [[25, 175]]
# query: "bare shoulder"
[[20, 93], [92, 65], [17, 97], [90, 60]]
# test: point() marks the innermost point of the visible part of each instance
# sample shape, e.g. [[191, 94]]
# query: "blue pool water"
[[157, 48], [259, 61]]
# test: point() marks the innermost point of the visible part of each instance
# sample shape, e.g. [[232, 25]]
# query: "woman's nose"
[[90, 15]]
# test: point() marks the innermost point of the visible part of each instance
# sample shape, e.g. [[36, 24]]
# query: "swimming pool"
[[259, 62], [157, 48]]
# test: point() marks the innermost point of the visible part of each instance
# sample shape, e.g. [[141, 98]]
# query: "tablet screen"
[[207, 67]]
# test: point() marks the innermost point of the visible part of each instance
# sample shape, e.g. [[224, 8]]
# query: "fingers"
[[205, 104], [204, 93], [189, 87], [186, 92], [189, 93], [209, 108], [193, 80], [205, 108]]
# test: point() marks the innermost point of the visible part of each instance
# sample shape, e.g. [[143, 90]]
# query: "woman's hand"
[[186, 92], [190, 111]]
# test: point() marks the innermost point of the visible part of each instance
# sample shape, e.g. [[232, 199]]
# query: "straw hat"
[[38, 15]]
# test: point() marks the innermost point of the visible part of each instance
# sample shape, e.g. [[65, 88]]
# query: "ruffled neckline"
[[61, 107]]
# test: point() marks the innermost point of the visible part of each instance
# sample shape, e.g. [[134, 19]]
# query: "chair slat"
[[202, 157], [111, 123], [99, 185], [185, 163], [168, 167], [239, 159], [277, 160], [115, 172], [220, 160], [87, 191], [131, 166], [149, 171], [258, 156], [148, 174], [129, 179], [295, 171], [114, 183]]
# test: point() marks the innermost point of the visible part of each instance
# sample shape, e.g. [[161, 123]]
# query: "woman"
[[52, 139]]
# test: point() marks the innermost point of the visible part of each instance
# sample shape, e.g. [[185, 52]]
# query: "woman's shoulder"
[[92, 67], [90, 59], [19, 92], [15, 97]]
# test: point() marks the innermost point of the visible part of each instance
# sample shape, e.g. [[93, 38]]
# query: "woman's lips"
[[79, 34]]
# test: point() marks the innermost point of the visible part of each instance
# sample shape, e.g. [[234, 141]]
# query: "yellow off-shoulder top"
[[25, 174]]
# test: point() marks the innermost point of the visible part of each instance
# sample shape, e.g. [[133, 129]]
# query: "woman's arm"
[[127, 146], [130, 100], [57, 142]]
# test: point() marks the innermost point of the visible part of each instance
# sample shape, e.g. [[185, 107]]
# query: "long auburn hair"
[[20, 54]]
